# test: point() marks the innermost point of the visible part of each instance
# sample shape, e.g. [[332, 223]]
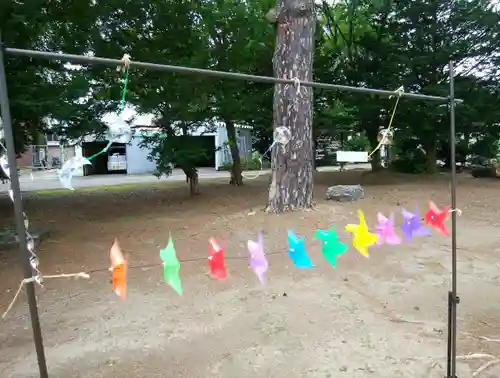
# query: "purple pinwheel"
[[258, 261], [412, 227]]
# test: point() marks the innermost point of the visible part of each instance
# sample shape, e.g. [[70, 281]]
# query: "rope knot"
[[125, 63], [399, 92]]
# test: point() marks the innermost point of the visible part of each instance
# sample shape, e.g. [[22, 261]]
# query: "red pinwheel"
[[216, 262], [436, 218]]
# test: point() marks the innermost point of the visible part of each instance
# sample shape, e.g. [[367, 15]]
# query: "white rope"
[[281, 136], [34, 278], [458, 211]]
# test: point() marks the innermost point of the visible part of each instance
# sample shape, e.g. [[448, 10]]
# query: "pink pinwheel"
[[258, 261], [385, 230]]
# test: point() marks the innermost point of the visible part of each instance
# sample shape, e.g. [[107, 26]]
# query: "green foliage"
[[388, 44], [253, 163], [170, 150], [357, 143], [408, 156]]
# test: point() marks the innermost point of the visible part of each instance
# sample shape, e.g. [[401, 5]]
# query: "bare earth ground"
[[379, 317]]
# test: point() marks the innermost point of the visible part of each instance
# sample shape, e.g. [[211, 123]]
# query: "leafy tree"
[[389, 44], [238, 40], [44, 92]]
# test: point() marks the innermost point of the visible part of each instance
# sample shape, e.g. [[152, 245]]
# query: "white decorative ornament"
[[119, 131], [385, 136], [66, 172], [282, 135]]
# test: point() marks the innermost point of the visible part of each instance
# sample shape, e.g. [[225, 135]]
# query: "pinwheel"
[[171, 266]]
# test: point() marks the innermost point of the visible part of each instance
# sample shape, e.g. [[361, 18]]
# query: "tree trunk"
[[236, 177], [191, 179], [292, 165], [431, 156], [371, 134]]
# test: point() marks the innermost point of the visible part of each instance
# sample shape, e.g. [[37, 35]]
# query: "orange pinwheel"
[[118, 270]]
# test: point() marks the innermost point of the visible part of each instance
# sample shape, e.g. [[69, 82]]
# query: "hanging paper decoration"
[[297, 251], [385, 230], [258, 260], [412, 226], [66, 172], [331, 246], [171, 266], [119, 131], [216, 261], [118, 270], [436, 218], [4, 164], [362, 238], [282, 135]]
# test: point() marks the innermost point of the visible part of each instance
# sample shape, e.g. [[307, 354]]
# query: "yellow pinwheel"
[[362, 238]]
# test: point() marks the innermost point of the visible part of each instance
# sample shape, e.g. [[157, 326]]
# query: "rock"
[[343, 193]]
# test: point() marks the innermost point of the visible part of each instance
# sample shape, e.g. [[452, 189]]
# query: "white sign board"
[[352, 156]]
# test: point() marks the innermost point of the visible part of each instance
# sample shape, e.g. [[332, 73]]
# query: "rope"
[[124, 68], [32, 279], [282, 136], [399, 93]]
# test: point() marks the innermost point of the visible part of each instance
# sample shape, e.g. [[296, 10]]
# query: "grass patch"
[[129, 187]]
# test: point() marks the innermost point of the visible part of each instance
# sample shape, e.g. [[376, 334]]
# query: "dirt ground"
[[379, 317]]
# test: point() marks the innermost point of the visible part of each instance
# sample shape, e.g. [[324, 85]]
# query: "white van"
[[117, 159]]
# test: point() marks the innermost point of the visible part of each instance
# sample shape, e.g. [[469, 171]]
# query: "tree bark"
[[191, 179], [236, 177], [291, 187], [431, 156], [371, 134]]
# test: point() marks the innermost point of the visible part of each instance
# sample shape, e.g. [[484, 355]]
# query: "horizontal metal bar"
[[204, 72]]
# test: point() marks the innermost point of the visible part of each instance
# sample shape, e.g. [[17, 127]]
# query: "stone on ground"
[[344, 193]]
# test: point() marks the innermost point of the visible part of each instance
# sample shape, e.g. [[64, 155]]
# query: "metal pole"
[[452, 329], [18, 212], [204, 72]]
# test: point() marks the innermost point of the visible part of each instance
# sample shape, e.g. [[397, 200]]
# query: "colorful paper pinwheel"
[[171, 266], [297, 251], [118, 270], [216, 261], [435, 218], [330, 245], [362, 238], [412, 226], [258, 260], [385, 230]]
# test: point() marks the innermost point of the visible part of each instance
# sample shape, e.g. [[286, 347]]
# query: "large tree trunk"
[[430, 156], [292, 166], [371, 134], [236, 177]]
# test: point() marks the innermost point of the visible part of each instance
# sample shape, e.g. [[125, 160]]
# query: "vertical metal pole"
[[452, 336], [18, 212]]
